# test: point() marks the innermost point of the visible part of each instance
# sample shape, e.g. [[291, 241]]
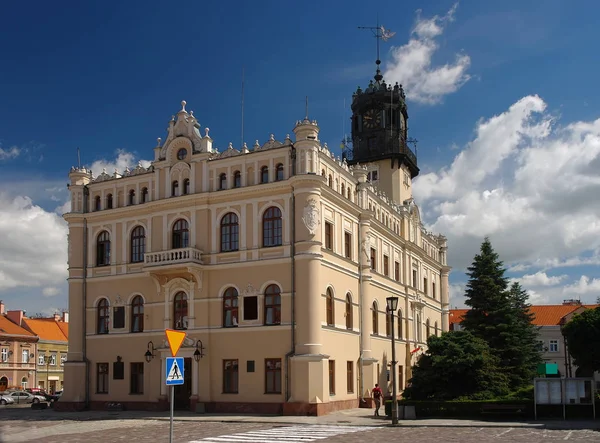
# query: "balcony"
[[177, 256]]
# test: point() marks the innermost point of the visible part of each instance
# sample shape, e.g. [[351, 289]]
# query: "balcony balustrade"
[[172, 257]]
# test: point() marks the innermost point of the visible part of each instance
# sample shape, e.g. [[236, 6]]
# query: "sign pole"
[[172, 407]]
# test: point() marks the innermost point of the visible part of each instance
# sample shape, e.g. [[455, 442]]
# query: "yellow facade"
[[285, 231]]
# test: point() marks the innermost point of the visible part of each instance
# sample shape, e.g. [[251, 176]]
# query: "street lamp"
[[392, 305], [149, 352], [199, 352], [48, 360]]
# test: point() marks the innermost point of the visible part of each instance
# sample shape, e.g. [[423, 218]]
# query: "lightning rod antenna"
[[242, 141]]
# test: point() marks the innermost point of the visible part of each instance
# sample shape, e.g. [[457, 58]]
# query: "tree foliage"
[[583, 338], [457, 364], [500, 316]]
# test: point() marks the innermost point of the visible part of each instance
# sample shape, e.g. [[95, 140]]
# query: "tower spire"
[[380, 33]]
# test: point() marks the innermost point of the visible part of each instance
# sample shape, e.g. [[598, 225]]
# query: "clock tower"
[[380, 137]]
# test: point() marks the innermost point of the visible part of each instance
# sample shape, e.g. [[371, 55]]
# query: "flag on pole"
[[386, 34]]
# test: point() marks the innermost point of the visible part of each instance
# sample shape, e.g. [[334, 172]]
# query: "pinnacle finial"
[[183, 103]]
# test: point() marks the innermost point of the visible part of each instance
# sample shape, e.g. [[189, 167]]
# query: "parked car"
[[6, 399], [26, 397]]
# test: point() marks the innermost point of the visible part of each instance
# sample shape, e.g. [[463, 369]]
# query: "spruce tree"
[[500, 316]]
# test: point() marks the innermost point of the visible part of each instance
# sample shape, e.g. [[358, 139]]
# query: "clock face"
[[372, 119]]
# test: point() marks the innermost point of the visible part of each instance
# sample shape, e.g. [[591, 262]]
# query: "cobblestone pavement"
[[155, 431]]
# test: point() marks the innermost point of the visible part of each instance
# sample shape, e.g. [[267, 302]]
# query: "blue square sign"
[[174, 371]]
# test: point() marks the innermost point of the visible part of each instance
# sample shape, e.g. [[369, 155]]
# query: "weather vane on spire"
[[380, 33]]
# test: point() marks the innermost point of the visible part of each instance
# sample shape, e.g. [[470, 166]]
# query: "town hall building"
[[275, 259]]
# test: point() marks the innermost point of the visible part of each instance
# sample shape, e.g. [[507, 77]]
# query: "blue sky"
[[503, 99]]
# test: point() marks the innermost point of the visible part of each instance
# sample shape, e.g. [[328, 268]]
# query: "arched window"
[[322, 172], [330, 181], [427, 329], [375, 319], [137, 314], [175, 188], [102, 317], [223, 181], [436, 328], [400, 324], [230, 232], [181, 234], [237, 179], [144, 195], [131, 197], [230, 308], [388, 323], [24, 382], [186, 186], [97, 203], [138, 244], [180, 311], [272, 227], [103, 249], [3, 384], [349, 312], [329, 307], [272, 305], [109, 201], [348, 192], [343, 190], [264, 174], [279, 172]]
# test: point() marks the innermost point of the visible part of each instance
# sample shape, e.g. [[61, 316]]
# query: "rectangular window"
[[251, 308], [386, 266], [102, 378], [350, 377], [553, 346], [401, 377], [230, 376], [331, 377], [136, 382], [53, 359], [118, 317], [348, 245], [433, 294], [328, 236], [414, 279], [425, 285], [4, 355], [373, 259], [397, 271], [273, 376], [41, 359]]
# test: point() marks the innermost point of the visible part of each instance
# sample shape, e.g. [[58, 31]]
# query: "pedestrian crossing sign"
[[174, 371]]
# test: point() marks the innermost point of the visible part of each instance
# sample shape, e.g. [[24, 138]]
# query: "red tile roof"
[[10, 328], [545, 315], [46, 329]]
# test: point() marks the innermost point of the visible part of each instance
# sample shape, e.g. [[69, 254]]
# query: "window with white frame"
[[25, 356], [553, 346], [53, 359], [41, 361], [4, 354], [63, 359]]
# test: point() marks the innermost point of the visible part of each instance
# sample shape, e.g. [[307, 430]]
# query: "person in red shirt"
[[376, 393]]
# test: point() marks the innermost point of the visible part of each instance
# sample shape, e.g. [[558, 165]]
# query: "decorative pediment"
[[249, 291], [229, 152], [103, 177], [271, 144]]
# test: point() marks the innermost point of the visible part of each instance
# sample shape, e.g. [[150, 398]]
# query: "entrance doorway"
[[184, 392], [3, 384]]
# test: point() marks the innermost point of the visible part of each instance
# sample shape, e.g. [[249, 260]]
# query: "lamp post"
[[149, 352], [392, 305], [199, 352], [48, 360]]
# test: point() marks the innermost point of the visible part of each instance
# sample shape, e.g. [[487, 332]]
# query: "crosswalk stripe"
[[286, 434]]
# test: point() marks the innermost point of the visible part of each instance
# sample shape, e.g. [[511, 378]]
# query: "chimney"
[[56, 317], [16, 317], [1, 308], [65, 317]]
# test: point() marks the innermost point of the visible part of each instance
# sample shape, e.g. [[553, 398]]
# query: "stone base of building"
[[69, 406], [317, 409]]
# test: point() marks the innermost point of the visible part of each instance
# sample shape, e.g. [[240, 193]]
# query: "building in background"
[[18, 348], [549, 319], [276, 260], [52, 348]]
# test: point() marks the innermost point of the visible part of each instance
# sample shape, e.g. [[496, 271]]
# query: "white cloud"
[[33, 251], [50, 291], [124, 160], [540, 279], [6, 154], [411, 63], [585, 285], [528, 183]]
